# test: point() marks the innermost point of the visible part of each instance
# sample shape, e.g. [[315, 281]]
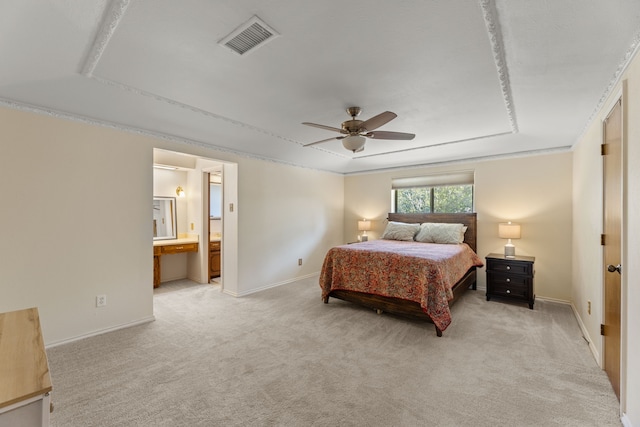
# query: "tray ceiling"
[[472, 79]]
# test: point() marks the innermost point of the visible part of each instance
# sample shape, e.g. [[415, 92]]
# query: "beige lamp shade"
[[364, 225], [507, 230]]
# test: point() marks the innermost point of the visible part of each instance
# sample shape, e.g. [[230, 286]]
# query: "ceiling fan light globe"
[[354, 143]]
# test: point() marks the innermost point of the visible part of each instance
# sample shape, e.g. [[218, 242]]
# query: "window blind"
[[457, 178]]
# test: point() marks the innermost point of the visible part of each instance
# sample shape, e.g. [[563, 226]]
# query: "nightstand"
[[510, 278]]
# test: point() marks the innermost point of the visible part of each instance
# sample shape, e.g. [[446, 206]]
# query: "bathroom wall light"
[[180, 191]]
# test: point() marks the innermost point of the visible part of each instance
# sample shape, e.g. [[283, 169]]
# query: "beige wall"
[[77, 223], [588, 268], [533, 191]]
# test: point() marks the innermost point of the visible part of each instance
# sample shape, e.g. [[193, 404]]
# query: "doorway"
[[193, 218], [214, 203], [612, 246]]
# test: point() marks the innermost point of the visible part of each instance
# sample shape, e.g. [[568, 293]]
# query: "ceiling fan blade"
[[315, 125], [323, 140], [390, 135], [376, 121]]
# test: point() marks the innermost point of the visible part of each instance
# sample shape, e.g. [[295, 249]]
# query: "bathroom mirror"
[[164, 218], [215, 201]]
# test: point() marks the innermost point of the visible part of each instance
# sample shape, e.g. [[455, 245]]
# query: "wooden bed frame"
[[412, 309]]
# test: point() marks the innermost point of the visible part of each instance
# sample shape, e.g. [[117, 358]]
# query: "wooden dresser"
[[25, 384], [511, 278]]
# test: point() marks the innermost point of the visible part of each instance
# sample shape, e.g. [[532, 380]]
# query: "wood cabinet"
[[511, 278], [163, 248], [25, 384], [214, 259]]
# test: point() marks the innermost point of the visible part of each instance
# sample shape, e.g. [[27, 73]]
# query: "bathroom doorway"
[[194, 217], [215, 225]]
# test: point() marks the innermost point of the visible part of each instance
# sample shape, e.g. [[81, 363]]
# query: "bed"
[[406, 278]]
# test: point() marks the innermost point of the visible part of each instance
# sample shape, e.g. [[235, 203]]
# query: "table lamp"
[[364, 226], [507, 230]]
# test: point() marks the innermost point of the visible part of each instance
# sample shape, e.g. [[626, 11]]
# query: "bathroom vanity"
[[169, 247]]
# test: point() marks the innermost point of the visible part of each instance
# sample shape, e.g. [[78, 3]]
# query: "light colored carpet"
[[283, 358]]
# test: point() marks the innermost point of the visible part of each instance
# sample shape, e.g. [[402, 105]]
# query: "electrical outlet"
[[101, 301], [588, 307], [299, 261]]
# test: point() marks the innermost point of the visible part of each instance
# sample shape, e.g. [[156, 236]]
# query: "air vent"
[[249, 36]]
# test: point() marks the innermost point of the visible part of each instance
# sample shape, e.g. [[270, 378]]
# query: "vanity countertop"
[[180, 241]]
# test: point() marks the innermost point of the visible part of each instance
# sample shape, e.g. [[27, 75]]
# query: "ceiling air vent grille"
[[249, 36]]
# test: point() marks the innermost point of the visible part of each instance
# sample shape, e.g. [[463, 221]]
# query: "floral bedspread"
[[420, 272]]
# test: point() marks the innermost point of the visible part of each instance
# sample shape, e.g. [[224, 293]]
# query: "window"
[[436, 193]]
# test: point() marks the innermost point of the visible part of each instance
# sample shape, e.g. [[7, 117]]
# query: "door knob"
[[617, 268]]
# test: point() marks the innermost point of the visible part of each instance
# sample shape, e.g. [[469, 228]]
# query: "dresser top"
[[515, 258], [24, 368]]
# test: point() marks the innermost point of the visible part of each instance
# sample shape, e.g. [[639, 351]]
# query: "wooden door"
[[612, 187]]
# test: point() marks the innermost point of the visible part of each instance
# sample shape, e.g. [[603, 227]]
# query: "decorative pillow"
[[400, 231], [436, 232]]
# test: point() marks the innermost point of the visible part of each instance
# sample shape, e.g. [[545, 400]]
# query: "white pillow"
[[436, 232], [400, 231]]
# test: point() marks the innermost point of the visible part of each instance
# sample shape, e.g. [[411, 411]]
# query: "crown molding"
[[624, 63], [35, 109], [459, 141], [494, 31], [113, 14], [514, 155]]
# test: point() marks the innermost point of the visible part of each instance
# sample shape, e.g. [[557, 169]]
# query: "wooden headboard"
[[468, 219]]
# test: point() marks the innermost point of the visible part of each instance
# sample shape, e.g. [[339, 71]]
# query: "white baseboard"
[[101, 331], [587, 337], [559, 301], [273, 285], [626, 422]]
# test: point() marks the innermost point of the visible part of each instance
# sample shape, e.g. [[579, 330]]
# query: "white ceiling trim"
[[206, 113], [112, 17], [615, 79], [103, 123], [490, 15], [518, 154], [436, 145], [36, 109], [191, 108]]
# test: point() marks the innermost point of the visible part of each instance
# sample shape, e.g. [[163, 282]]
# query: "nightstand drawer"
[[507, 279], [514, 267], [510, 291]]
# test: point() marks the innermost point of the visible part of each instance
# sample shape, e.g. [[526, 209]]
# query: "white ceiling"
[[471, 78]]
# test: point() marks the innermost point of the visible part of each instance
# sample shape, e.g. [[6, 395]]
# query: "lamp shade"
[[507, 230], [354, 143], [364, 225]]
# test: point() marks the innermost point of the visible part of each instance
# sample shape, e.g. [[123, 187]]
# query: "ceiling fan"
[[355, 132]]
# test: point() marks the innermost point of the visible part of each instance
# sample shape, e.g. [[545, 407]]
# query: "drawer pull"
[[508, 291], [508, 280], [508, 267], [179, 247]]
